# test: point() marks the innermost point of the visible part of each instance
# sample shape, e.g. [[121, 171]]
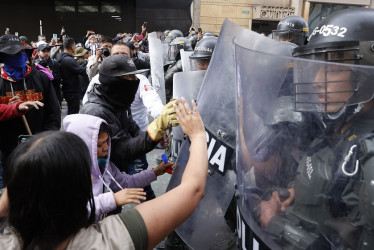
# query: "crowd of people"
[[104, 82], [66, 189]]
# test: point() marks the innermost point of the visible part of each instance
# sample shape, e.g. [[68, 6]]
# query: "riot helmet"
[[166, 32], [338, 86], [176, 45], [208, 34], [175, 33], [292, 29], [202, 54], [168, 39]]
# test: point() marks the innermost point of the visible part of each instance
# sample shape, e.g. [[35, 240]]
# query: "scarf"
[[15, 66], [119, 93], [102, 162]]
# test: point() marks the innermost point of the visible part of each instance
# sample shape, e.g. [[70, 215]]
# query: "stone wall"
[[214, 12]]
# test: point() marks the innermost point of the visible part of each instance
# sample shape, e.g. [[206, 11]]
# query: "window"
[[110, 8], [65, 6]]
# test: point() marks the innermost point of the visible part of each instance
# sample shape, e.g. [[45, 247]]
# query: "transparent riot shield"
[[157, 65], [165, 49], [187, 85], [207, 227], [300, 178], [185, 57]]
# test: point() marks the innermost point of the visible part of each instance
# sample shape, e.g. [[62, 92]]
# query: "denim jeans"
[[150, 194]]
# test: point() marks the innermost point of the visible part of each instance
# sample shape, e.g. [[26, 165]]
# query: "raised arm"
[[179, 203]]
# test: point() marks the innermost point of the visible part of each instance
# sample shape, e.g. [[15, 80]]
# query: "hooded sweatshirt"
[[111, 180]]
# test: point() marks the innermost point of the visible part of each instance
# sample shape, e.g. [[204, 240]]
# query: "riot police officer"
[[292, 29], [202, 54], [174, 59], [171, 35], [331, 199]]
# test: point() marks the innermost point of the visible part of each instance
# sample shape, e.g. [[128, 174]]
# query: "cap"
[[10, 44], [40, 42], [23, 38], [119, 65], [80, 51], [43, 46]]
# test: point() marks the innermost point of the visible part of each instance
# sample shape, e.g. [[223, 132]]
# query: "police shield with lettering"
[[207, 228], [305, 176]]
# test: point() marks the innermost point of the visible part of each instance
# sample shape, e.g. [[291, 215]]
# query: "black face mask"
[[119, 93]]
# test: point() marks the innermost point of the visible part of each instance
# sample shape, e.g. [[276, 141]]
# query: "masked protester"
[[25, 84], [111, 101]]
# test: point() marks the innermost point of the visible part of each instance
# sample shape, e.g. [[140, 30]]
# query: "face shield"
[[331, 81], [198, 64], [290, 35], [174, 51]]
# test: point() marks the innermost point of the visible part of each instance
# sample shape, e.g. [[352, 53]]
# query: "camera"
[[43, 63], [105, 51]]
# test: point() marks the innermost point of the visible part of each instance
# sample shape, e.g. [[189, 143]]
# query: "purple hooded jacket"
[[112, 180]]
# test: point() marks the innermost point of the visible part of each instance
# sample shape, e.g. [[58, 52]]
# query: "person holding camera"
[[92, 42], [72, 88], [94, 61]]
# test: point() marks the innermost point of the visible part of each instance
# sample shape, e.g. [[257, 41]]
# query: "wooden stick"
[[26, 125]]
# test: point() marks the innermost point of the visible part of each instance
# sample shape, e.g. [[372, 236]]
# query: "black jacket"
[[38, 87], [54, 66], [70, 71], [128, 141]]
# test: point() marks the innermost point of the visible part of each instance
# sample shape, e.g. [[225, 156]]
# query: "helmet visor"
[[174, 51], [292, 35], [329, 87], [199, 63]]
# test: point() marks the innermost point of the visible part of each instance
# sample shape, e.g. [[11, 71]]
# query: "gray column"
[[196, 13]]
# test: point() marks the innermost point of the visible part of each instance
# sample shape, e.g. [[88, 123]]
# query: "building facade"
[[108, 17], [263, 15]]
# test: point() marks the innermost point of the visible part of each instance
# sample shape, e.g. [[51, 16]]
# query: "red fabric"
[[139, 38], [9, 111]]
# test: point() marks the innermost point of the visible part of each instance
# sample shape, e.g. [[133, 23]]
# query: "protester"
[[72, 88], [24, 40], [81, 55], [146, 102], [20, 82], [111, 101], [44, 216], [94, 61], [107, 180], [17, 109], [92, 43], [56, 49], [45, 60], [139, 63]]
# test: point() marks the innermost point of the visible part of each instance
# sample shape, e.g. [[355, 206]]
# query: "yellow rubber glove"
[[167, 119]]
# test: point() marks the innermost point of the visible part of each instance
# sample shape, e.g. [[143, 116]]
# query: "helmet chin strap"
[[335, 121]]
